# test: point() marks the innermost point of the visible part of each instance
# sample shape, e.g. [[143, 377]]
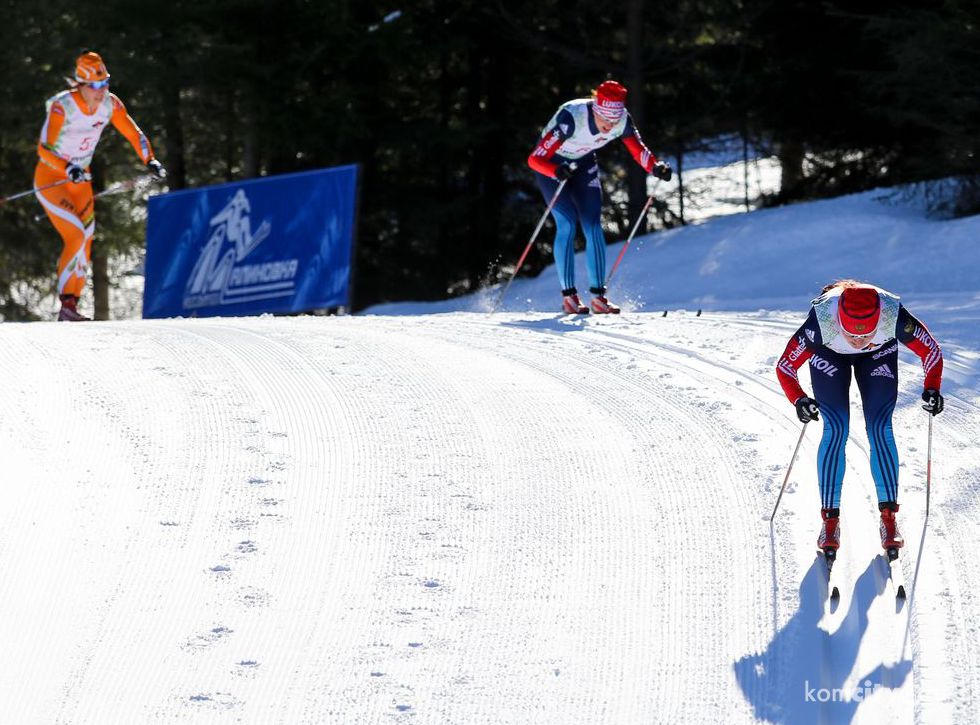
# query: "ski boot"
[[69, 310], [602, 306], [829, 540], [891, 538], [571, 304]]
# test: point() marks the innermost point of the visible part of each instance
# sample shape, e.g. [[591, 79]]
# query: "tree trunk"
[[791, 164], [176, 164], [636, 177], [745, 167], [100, 282], [100, 257], [250, 145], [680, 183], [499, 75]]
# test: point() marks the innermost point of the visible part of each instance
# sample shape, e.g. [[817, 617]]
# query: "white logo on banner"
[[220, 278]]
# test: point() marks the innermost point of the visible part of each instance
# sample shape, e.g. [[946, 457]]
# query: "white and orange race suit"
[[69, 136]]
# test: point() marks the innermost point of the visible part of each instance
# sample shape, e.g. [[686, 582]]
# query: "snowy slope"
[[774, 259], [465, 517]]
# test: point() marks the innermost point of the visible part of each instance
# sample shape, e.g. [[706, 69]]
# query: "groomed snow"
[[513, 517]]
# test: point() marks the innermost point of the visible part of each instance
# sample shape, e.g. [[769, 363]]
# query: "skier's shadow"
[[801, 676], [559, 323]]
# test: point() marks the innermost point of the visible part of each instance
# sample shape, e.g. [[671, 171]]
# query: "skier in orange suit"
[[62, 182]]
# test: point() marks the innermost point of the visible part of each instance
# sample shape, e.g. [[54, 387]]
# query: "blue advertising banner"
[[276, 244]]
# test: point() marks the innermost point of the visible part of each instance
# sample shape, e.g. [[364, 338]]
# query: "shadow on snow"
[[805, 663]]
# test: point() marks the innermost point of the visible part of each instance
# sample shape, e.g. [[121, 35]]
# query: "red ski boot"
[[69, 310], [830, 531], [571, 304], [602, 306], [891, 538]]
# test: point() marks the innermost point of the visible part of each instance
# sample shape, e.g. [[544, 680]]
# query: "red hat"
[[610, 100], [858, 310]]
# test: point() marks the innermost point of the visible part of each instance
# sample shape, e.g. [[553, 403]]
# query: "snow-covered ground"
[[464, 517]]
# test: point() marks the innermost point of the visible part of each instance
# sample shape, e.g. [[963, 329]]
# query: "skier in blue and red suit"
[[855, 326], [566, 151]]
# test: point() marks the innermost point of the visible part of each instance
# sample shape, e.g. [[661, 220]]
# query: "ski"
[[895, 572], [829, 557]]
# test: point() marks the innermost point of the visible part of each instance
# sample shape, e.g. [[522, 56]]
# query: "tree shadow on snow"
[[801, 676]]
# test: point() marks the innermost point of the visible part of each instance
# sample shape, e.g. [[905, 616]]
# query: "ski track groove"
[[692, 418], [426, 387], [583, 516]]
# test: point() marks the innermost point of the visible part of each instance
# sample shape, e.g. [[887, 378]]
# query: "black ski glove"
[[156, 168], [662, 170], [807, 409], [564, 171], [76, 174], [934, 402]]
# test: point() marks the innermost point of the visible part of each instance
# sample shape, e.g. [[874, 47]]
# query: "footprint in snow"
[[223, 700], [207, 639], [246, 547]]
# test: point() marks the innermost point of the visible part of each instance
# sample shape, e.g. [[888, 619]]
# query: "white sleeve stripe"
[[788, 369]]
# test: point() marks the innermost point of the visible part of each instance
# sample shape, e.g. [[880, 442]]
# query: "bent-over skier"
[[856, 326], [566, 152]]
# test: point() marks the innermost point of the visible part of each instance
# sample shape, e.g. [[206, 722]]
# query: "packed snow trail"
[[458, 518]]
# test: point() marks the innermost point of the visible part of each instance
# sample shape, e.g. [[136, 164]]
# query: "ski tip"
[[835, 593], [900, 592], [664, 314]]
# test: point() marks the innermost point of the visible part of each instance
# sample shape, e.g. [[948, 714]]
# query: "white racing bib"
[[582, 141], [825, 307], [80, 132]]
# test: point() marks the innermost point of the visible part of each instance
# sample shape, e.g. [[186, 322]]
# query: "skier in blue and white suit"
[[566, 152], [855, 327]]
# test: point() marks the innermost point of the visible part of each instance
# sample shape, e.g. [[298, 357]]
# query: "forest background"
[[440, 103]]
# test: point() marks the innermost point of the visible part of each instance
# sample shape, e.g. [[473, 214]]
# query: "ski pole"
[[5, 199], [537, 230], [929, 466], [622, 252], [786, 479], [117, 188], [121, 186]]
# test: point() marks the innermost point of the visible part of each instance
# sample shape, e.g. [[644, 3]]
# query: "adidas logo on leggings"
[[882, 371]]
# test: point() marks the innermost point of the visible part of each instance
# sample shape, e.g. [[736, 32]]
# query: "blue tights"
[[580, 202], [877, 380]]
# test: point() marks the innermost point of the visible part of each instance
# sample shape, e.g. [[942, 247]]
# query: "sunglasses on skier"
[[852, 336], [98, 85]]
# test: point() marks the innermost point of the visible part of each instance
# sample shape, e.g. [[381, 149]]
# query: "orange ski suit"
[[70, 134]]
